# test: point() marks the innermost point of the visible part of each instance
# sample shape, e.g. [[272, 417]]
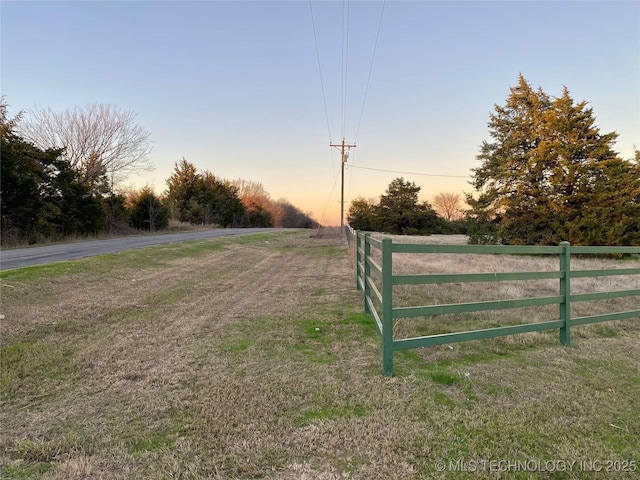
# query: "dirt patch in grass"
[[250, 358]]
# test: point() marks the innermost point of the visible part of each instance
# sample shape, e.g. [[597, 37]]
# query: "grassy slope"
[[249, 358]]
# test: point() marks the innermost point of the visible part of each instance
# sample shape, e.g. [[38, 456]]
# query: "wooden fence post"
[[358, 260], [367, 272], [387, 307], [565, 292]]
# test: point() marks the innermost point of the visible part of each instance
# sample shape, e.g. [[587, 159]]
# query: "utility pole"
[[344, 156]]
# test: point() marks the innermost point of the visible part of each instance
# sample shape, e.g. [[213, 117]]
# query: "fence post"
[[565, 292], [367, 272], [358, 259], [387, 307], [347, 233]]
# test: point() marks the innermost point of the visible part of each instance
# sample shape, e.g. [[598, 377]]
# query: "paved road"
[[26, 257]]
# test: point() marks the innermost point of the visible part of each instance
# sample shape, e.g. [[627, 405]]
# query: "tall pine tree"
[[550, 175]]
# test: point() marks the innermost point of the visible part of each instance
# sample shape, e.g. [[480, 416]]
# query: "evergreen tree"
[[21, 173], [362, 214], [220, 201], [71, 207], [182, 193], [147, 211], [550, 175], [399, 211], [116, 214], [42, 196], [201, 198]]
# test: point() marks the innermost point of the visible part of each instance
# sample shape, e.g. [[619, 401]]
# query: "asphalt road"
[[26, 257]]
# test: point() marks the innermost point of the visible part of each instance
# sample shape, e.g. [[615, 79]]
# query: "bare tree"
[[255, 197], [8, 125], [448, 206], [102, 142], [250, 191]]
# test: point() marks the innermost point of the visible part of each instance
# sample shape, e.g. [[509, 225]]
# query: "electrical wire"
[[366, 91], [373, 56], [345, 65], [410, 173], [344, 85], [324, 97], [333, 189]]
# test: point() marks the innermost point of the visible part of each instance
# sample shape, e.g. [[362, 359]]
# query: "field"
[[249, 357]]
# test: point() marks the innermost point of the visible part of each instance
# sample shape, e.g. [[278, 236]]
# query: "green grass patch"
[[140, 258], [141, 434], [235, 348], [316, 330], [258, 238], [46, 450], [30, 366], [442, 399], [471, 358], [495, 390], [23, 471], [65, 327], [159, 256], [51, 271], [606, 330], [315, 341], [365, 323], [148, 441], [444, 378], [129, 314], [169, 296]]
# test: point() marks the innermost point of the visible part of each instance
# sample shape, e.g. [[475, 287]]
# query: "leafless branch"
[[99, 140], [447, 205]]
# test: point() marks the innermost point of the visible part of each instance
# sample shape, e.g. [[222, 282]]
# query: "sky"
[[259, 90]]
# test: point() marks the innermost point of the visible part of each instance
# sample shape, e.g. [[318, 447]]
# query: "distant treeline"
[[48, 193]]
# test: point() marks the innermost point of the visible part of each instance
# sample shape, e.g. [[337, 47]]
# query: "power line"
[[366, 90], [335, 181], [410, 173], [345, 66], [343, 93], [324, 98]]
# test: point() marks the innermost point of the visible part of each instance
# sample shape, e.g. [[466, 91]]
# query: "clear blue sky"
[[234, 87]]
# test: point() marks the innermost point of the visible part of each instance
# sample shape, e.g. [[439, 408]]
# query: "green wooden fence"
[[377, 280]]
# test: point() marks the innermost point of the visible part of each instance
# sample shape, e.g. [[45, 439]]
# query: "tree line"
[[61, 175], [548, 175], [400, 212]]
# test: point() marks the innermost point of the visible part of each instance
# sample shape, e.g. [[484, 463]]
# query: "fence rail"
[[378, 300]]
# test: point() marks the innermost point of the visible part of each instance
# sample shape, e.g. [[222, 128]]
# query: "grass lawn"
[[249, 357]]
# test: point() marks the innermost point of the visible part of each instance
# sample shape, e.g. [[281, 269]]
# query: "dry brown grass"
[[248, 358]]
